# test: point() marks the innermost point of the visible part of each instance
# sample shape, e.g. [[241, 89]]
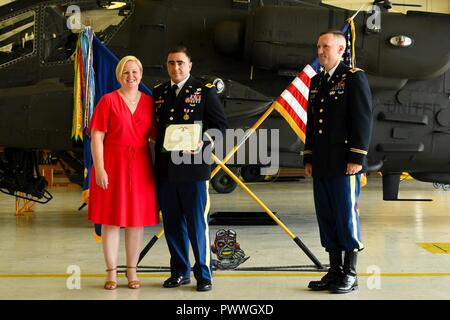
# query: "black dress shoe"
[[326, 282], [204, 285], [174, 282], [347, 284]]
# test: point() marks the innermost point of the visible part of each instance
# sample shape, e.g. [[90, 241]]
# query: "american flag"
[[292, 104]]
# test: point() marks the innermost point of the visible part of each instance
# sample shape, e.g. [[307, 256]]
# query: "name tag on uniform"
[[182, 137]]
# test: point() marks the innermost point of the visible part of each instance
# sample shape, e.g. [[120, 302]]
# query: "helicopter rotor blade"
[[407, 5]]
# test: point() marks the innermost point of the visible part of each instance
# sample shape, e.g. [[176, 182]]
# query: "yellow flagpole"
[[221, 165], [260, 203], [150, 244], [252, 195], [247, 135], [249, 132], [269, 212]]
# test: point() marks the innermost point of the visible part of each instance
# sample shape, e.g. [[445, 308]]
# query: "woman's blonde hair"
[[121, 65]]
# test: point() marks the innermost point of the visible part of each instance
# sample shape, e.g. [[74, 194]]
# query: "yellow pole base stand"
[[23, 206]]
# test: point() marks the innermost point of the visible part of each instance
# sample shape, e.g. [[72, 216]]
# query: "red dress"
[[130, 199]]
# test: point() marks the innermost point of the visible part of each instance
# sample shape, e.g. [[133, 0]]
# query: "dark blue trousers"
[[336, 201], [185, 210]]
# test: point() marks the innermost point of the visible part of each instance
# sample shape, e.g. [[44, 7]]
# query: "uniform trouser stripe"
[[336, 202], [185, 208], [207, 242], [355, 185], [199, 231]]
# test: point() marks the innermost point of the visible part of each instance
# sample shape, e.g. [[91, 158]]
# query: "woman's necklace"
[[130, 101]]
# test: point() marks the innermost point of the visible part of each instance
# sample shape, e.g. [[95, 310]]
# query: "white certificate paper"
[[182, 137]]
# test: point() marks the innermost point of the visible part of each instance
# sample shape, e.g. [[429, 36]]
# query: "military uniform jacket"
[[195, 102], [339, 122]]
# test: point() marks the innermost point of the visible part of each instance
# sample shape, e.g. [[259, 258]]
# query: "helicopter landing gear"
[[252, 173], [223, 183]]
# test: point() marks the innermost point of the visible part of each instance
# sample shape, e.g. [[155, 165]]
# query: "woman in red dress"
[[122, 190]]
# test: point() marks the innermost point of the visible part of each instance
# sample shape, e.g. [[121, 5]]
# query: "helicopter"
[[251, 50]]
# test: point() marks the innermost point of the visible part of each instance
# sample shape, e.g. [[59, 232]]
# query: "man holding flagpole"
[[339, 125]]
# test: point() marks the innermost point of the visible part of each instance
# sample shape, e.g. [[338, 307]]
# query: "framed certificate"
[[182, 137]]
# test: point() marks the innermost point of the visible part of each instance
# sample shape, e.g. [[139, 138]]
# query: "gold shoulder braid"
[[353, 70]]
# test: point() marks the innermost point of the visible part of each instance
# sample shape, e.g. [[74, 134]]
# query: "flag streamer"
[[84, 85]]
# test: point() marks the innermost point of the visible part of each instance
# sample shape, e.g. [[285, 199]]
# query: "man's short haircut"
[[339, 36], [336, 33], [123, 61], [180, 48]]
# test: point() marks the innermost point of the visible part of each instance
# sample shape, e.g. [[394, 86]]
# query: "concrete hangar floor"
[[406, 256]]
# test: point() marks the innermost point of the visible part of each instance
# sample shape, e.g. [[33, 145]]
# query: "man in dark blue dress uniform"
[[182, 176], [337, 139]]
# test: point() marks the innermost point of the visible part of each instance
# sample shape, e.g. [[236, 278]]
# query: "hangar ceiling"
[[441, 6], [3, 2]]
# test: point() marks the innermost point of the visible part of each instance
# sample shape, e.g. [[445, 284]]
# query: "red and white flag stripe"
[[293, 102]]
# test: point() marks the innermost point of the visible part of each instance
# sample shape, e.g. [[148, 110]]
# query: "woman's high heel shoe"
[[110, 284], [133, 284]]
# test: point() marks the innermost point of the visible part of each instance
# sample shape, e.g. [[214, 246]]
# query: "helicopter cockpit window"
[[17, 37], [60, 42]]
